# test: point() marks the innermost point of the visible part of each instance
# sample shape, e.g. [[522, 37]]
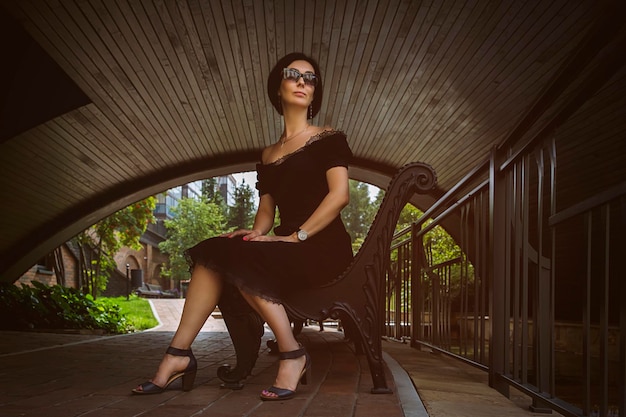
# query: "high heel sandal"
[[188, 375], [286, 394]]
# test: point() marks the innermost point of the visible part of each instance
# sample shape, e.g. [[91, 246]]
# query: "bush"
[[57, 307]]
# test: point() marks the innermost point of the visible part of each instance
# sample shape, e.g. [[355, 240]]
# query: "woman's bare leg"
[[203, 294], [276, 317]]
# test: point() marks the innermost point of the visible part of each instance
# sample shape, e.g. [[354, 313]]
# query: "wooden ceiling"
[[152, 94]]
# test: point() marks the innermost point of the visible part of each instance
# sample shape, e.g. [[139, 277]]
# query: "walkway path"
[[46, 374]]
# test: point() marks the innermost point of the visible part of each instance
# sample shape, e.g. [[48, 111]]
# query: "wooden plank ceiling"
[[177, 92]]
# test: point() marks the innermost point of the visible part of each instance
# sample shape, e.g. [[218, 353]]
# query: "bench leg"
[[352, 334], [378, 376], [297, 329], [246, 330], [371, 345]]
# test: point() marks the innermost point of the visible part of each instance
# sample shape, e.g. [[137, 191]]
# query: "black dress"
[[297, 183]]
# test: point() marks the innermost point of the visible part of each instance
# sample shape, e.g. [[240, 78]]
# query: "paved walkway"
[[49, 374]]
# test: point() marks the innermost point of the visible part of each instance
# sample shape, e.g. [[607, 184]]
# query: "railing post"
[[397, 297], [496, 278], [435, 331], [417, 304], [622, 312], [543, 326]]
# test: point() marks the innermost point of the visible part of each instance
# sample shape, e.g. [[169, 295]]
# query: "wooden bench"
[[154, 291], [357, 297]]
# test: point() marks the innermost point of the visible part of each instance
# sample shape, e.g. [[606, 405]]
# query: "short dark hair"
[[276, 76]]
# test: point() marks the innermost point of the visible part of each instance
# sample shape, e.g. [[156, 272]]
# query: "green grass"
[[136, 310]]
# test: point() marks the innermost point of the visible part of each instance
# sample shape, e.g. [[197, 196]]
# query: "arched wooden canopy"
[[107, 102]]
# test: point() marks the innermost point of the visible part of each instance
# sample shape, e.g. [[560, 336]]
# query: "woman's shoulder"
[[331, 147], [323, 132], [318, 135], [329, 141], [266, 153], [327, 130], [316, 130]]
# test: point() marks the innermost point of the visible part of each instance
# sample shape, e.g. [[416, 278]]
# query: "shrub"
[[57, 307]]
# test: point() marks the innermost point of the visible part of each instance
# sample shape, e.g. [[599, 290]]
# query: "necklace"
[[284, 140]]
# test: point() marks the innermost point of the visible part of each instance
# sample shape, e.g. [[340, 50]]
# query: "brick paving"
[[46, 374], [51, 374]]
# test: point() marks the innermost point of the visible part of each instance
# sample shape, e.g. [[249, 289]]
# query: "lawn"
[[137, 310]]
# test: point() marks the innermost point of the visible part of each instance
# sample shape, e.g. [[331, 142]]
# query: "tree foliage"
[[409, 215], [211, 192], [99, 243], [193, 221], [359, 214], [241, 214], [440, 246]]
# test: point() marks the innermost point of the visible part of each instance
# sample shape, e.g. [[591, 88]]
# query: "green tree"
[[99, 243], [193, 221], [357, 215], [376, 204], [409, 214], [440, 246], [210, 191], [241, 214]]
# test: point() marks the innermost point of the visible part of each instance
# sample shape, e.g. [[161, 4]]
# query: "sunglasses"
[[294, 75]]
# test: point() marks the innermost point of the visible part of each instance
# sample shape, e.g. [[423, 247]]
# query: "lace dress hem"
[[240, 283]]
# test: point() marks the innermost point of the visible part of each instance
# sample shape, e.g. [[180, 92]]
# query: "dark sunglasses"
[[294, 75]]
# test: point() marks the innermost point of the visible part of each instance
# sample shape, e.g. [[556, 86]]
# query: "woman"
[[304, 174]]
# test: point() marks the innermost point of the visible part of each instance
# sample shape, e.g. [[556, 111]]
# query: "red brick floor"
[[44, 374], [48, 374]]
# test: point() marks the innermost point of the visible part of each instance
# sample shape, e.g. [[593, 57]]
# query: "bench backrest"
[[362, 283]]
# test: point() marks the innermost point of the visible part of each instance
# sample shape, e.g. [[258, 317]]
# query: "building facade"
[[63, 265]]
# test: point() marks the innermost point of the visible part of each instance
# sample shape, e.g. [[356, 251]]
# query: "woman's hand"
[[245, 233], [256, 236], [292, 238]]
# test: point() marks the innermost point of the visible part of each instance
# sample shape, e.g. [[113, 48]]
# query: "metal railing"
[[535, 299]]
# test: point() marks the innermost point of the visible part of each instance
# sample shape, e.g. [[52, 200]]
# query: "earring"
[[311, 111]]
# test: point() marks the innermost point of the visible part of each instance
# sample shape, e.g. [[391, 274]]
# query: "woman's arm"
[[263, 220], [337, 198]]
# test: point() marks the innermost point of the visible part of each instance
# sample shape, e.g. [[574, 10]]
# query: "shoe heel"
[[188, 380], [307, 369]]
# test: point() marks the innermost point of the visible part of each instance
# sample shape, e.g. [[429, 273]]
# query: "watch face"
[[302, 235]]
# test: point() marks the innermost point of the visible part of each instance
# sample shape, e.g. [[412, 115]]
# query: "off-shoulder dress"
[[297, 183]]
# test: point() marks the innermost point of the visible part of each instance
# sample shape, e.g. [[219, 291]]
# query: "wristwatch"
[[302, 235]]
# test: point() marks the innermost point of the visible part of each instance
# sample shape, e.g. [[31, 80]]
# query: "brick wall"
[[45, 273], [149, 259]]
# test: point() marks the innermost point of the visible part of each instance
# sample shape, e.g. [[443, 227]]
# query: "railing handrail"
[[435, 209], [588, 204], [437, 220], [437, 212], [443, 264], [518, 237]]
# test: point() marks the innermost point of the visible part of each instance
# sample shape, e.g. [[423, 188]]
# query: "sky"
[[250, 178]]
